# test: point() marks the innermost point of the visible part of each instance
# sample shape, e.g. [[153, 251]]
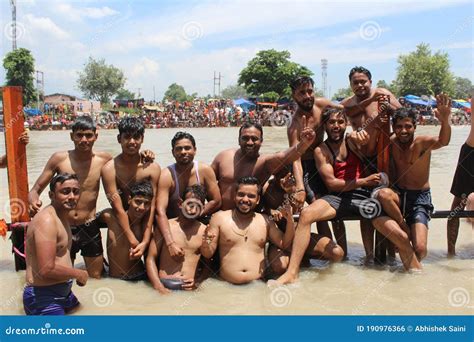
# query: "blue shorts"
[[415, 205], [55, 299]]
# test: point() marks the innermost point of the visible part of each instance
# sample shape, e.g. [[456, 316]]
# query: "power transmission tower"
[[217, 81], [13, 5], [39, 86], [324, 76]]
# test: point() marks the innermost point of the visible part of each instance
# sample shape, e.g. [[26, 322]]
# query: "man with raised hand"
[[246, 161], [240, 235], [411, 157]]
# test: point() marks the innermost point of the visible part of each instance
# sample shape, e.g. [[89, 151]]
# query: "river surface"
[[445, 287]]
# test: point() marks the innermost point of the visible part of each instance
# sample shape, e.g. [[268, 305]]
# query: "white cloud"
[[459, 45], [46, 26], [145, 67], [76, 14]]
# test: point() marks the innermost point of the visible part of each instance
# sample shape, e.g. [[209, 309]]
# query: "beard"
[[307, 106], [335, 139]]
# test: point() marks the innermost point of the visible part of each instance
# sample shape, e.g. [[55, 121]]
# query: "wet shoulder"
[[229, 153], [59, 157], [348, 100], [103, 156]]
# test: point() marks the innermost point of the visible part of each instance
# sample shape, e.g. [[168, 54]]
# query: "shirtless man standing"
[[309, 184], [118, 248], [170, 273], [362, 112], [175, 178], [309, 107], [462, 187], [240, 234], [86, 163], [124, 170], [49, 267], [233, 164], [411, 156]]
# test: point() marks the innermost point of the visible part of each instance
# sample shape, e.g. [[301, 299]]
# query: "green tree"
[[383, 84], [270, 96], [423, 73], [234, 91], [391, 87], [463, 88], [342, 93], [100, 81], [271, 71], [176, 92], [124, 94], [20, 67]]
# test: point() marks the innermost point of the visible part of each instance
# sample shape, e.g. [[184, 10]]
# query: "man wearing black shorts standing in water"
[[462, 187]]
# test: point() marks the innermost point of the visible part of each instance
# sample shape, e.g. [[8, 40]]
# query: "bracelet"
[[169, 244], [298, 190]]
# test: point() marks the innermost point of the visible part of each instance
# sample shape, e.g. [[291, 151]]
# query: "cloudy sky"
[[158, 43]]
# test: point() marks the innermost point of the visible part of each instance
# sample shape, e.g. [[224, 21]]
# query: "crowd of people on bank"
[[201, 113]]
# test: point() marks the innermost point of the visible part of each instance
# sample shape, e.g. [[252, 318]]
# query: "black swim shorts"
[[463, 182], [369, 165], [313, 183], [357, 202], [87, 238]]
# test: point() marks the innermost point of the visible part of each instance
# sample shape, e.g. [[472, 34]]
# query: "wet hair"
[[61, 178], [142, 188], [328, 112], [249, 180], [360, 69], [299, 81], [131, 125], [403, 113], [250, 125], [197, 191], [180, 136], [83, 123]]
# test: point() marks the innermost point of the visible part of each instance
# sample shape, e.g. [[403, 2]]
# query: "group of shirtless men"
[[177, 225]]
